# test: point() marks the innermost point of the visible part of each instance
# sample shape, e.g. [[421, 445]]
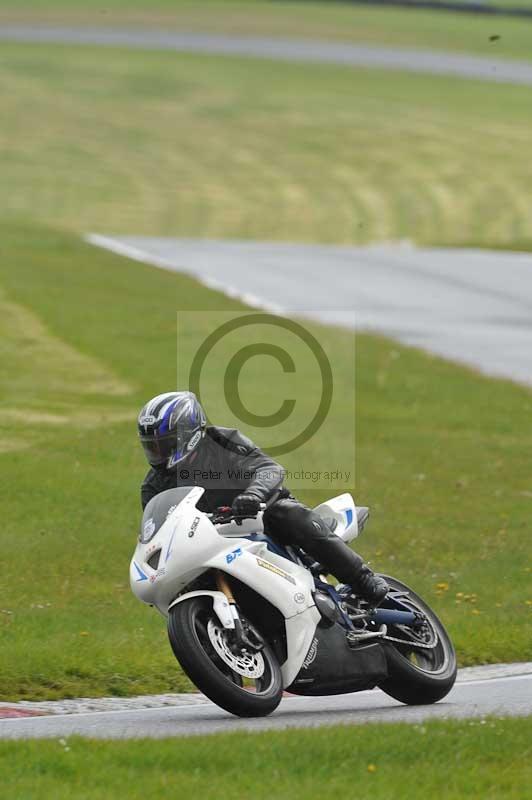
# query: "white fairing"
[[342, 511], [190, 544]]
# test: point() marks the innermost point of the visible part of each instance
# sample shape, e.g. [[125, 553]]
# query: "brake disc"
[[249, 665]]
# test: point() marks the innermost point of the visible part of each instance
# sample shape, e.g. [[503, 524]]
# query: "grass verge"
[[442, 458], [482, 760], [161, 143], [492, 36]]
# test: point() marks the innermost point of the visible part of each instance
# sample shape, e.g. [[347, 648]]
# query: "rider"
[[184, 451]]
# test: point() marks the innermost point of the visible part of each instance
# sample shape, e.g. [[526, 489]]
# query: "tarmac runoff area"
[[470, 306]]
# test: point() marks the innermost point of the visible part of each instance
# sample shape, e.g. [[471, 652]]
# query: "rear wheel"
[[248, 684], [421, 661]]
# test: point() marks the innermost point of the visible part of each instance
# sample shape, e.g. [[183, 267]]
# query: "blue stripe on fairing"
[[349, 516], [169, 549], [143, 576]]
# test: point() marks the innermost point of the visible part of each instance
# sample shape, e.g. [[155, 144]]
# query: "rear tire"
[[418, 676], [188, 623]]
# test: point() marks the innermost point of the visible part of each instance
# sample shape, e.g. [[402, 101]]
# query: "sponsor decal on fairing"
[[277, 570], [311, 655], [230, 557]]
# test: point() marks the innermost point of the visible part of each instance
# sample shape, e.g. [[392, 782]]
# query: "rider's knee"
[[295, 522], [284, 520]]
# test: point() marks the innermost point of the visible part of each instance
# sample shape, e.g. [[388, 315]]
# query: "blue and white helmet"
[[170, 427]]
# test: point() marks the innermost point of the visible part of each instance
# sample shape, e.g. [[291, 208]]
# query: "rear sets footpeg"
[[356, 638]]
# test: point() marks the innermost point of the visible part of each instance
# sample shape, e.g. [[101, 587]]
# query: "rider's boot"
[[369, 586], [355, 572]]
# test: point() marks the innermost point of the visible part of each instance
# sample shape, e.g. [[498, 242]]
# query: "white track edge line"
[[138, 254]]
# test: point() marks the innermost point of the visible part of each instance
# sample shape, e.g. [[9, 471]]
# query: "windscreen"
[[158, 509]]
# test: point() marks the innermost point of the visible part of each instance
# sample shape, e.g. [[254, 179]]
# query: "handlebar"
[[223, 515]]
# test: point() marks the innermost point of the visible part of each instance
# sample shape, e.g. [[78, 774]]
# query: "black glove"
[[246, 505]]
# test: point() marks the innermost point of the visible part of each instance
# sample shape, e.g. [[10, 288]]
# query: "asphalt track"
[[506, 695], [471, 306], [295, 50]]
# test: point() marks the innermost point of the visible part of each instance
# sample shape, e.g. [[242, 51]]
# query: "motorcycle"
[[249, 619]]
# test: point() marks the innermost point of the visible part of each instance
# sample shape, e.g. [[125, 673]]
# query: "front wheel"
[[247, 684], [421, 662]]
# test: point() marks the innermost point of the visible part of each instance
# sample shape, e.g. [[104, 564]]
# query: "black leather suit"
[[226, 463]]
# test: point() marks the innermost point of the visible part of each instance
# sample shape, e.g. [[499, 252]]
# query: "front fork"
[[240, 638]]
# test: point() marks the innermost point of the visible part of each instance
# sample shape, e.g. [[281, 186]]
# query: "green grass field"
[[160, 143], [326, 20], [481, 760], [155, 143], [442, 458]]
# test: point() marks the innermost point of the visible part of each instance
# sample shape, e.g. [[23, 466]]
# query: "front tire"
[[417, 675], [197, 640]]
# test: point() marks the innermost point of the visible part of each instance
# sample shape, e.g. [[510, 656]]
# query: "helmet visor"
[[158, 449], [170, 449]]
